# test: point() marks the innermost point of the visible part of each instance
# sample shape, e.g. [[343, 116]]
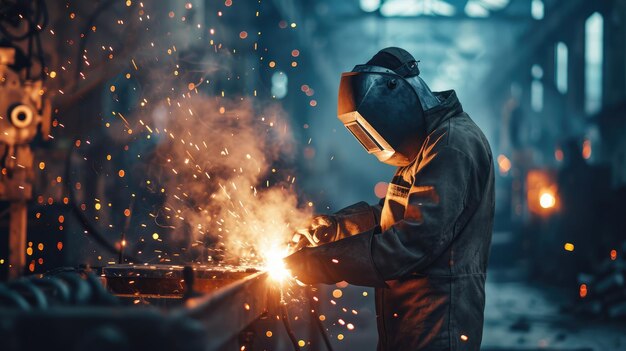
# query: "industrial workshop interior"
[[313, 175]]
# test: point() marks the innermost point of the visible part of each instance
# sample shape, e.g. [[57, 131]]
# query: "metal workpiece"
[[228, 311], [170, 281]]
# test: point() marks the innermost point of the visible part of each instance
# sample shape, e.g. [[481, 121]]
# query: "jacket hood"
[[449, 107]]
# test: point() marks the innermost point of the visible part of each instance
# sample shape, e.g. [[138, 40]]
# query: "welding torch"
[[323, 229], [300, 239]]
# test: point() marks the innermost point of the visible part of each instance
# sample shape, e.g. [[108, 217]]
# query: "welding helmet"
[[382, 104]]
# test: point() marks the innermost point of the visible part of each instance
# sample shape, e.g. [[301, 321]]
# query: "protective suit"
[[425, 246]]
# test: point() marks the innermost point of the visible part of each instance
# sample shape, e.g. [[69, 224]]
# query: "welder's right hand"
[[322, 230]]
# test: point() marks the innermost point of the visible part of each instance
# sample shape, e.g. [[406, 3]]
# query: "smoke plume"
[[226, 186]]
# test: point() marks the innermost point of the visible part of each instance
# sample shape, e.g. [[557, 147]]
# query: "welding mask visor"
[[383, 112]]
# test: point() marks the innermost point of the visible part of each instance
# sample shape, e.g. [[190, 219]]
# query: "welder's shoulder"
[[463, 135]]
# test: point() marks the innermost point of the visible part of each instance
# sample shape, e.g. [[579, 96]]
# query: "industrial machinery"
[[174, 307], [24, 112]]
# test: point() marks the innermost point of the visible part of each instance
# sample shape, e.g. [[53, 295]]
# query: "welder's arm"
[[351, 220], [356, 219], [432, 218]]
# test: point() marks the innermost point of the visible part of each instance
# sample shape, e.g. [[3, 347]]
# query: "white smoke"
[[225, 184]]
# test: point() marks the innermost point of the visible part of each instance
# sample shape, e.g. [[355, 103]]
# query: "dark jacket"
[[426, 249]]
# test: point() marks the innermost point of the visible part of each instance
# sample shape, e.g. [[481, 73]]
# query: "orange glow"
[[583, 290], [613, 255], [569, 247], [586, 149], [504, 164], [380, 189], [558, 155], [547, 200], [541, 196]]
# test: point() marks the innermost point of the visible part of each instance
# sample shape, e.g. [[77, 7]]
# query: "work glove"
[[348, 259], [322, 229]]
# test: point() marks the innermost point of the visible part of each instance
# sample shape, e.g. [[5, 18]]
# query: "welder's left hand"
[[347, 259], [321, 230], [305, 267]]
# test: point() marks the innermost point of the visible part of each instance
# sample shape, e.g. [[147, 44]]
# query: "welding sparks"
[[274, 264]]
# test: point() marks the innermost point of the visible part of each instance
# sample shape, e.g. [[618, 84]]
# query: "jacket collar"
[[449, 107]]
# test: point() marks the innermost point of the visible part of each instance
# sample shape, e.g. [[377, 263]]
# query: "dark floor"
[[523, 316]]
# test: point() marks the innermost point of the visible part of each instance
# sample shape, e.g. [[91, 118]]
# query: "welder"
[[425, 246]]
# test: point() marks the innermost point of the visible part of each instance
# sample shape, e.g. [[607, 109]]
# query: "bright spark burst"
[[274, 264]]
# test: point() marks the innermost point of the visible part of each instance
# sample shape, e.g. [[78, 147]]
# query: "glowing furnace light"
[[547, 200], [586, 153], [582, 292]]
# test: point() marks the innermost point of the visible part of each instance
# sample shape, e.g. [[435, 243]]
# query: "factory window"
[[483, 8], [594, 36], [560, 60], [369, 5], [279, 84], [536, 89], [536, 9], [404, 8]]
